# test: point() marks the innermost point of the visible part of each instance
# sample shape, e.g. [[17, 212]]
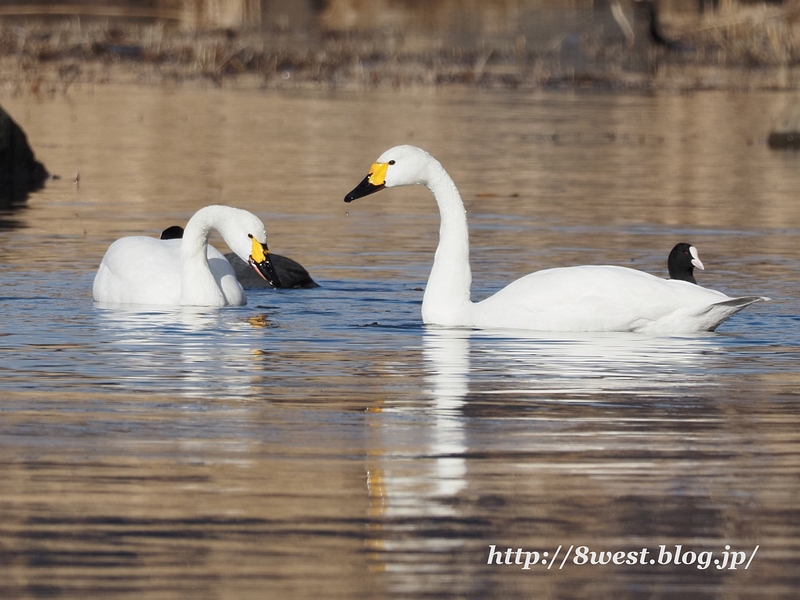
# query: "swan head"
[[253, 251], [402, 165], [246, 236]]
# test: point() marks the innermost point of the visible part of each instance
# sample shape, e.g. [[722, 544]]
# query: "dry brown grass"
[[751, 36], [48, 57]]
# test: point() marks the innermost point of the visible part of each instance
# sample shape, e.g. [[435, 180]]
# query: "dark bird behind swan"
[[291, 274], [682, 261]]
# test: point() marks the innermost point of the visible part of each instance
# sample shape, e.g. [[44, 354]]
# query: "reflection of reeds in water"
[[500, 45]]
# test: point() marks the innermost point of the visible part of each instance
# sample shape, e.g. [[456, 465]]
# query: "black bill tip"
[[266, 270], [365, 188]]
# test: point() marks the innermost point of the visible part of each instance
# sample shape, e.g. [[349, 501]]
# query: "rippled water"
[[322, 443]]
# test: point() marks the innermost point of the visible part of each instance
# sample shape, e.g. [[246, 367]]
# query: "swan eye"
[[391, 162], [250, 235]]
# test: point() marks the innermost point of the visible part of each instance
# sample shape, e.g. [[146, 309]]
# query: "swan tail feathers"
[[717, 313], [706, 317]]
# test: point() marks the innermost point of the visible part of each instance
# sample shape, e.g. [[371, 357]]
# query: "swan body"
[[187, 271], [581, 298]]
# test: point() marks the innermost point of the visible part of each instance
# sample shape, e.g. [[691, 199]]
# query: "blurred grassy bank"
[[608, 46]]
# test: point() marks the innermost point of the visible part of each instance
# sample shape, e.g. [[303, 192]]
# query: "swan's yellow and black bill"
[[374, 182], [261, 263]]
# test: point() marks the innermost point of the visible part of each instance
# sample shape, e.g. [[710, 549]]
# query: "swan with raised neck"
[[581, 298]]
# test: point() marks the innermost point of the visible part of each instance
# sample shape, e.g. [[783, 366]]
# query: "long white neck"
[[447, 295], [197, 281]]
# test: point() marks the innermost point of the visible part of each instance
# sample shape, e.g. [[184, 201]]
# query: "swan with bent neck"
[[186, 271], [581, 298]]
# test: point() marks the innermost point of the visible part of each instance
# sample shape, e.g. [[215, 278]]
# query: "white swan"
[[585, 298], [187, 271]]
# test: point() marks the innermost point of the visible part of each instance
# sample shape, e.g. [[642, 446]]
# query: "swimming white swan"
[[585, 298], [187, 271]]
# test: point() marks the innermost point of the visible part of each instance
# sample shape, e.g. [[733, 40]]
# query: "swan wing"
[[145, 270], [702, 317], [604, 298], [140, 270]]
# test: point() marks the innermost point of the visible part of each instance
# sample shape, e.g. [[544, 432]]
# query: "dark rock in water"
[[20, 172], [779, 141], [786, 133]]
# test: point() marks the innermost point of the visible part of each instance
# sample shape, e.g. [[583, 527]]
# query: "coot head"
[[682, 261]]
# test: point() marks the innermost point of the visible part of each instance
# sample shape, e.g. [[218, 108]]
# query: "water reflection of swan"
[[519, 363], [420, 478], [438, 442], [446, 353], [185, 351], [147, 319], [418, 471], [588, 364], [584, 298], [523, 363], [187, 271]]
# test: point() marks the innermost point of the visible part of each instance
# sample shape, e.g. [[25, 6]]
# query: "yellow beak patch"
[[260, 251], [377, 174]]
